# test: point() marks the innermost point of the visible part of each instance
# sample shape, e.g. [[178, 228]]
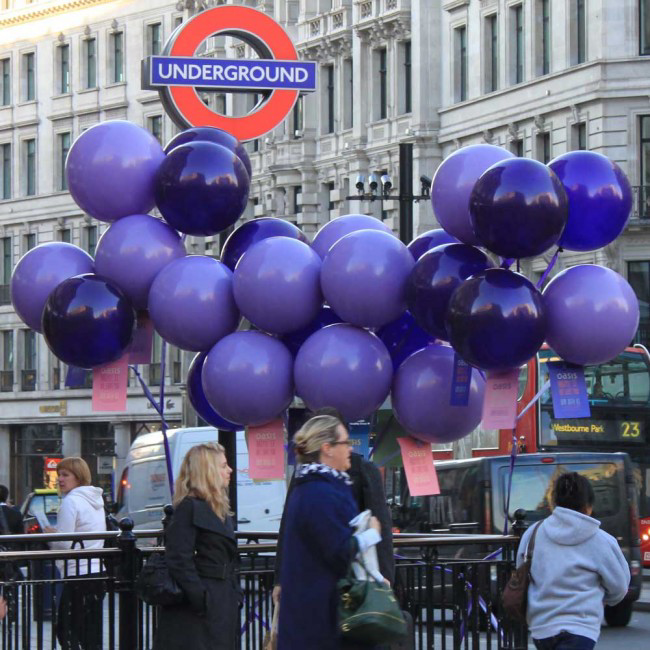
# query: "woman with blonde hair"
[[201, 553]]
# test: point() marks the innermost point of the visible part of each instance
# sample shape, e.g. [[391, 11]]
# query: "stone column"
[[5, 455]]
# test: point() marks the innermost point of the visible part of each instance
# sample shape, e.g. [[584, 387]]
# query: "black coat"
[[14, 521], [201, 555]]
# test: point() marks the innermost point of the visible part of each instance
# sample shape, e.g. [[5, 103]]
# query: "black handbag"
[[154, 584]]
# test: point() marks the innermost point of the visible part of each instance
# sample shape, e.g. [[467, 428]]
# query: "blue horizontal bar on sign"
[[233, 74]]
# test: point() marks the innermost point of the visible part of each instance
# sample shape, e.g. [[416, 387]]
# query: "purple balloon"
[[421, 397], [600, 199], [254, 231], [326, 316], [191, 303], [403, 337], [518, 208], [137, 242], [428, 240], [593, 314], [453, 183], [496, 320], [111, 169], [87, 321], [346, 368], [212, 134], [364, 277], [435, 277], [39, 272], [201, 188], [198, 399], [334, 230], [248, 378], [277, 285]]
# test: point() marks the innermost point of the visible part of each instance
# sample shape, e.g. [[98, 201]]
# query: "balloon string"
[[551, 264], [145, 390]]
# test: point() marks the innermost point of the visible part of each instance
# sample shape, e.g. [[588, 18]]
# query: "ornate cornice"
[[327, 48], [33, 13], [379, 30]]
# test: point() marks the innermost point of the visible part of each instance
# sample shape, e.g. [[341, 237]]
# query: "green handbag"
[[369, 611]]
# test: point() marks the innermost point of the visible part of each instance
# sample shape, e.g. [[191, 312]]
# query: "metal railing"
[[5, 294], [28, 380], [448, 583], [6, 381], [641, 202]]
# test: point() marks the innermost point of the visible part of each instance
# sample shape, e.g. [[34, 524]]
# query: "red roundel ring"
[[242, 19]]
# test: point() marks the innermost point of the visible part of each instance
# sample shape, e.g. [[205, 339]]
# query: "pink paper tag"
[[140, 349], [266, 450], [418, 464], [109, 385], [500, 403]]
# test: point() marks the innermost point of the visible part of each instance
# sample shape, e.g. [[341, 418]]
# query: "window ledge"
[[113, 84], [452, 5], [84, 91]]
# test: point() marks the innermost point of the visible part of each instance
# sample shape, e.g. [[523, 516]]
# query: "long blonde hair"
[[316, 432], [200, 477]]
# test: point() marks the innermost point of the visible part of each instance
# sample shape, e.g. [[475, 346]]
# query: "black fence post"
[[520, 525], [128, 632]]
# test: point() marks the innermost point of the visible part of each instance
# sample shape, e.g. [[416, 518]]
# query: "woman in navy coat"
[[318, 541]]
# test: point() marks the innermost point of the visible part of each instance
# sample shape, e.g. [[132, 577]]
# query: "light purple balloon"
[[276, 285], [334, 230], [133, 251], [428, 240], [453, 183], [39, 272], [111, 168], [191, 303], [421, 397], [592, 312], [248, 378], [344, 367], [364, 278]]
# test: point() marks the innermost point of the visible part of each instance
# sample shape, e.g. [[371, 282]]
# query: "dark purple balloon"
[[212, 134], [248, 378], [87, 321], [325, 317], [403, 337], [111, 169], [344, 367], [198, 399], [334, 230], [518, 208], [435, 277], [428, 240], [133, 251], [600, 199], [201, 188], [496, 320], [41, 270], [254, 231]]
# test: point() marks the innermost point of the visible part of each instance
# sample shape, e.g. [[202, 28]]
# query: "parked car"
[[44, 501]]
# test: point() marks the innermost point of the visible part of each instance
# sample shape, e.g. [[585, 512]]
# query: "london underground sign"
[[177, 73]]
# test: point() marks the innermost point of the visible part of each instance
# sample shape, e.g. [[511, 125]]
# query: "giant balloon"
[[593, 314], [133, 251], [421, 397], [343, 367], [600, 199], [518, 208], [294, 340], [496, 320], [403, 337], [428, 240], [41, 270], [111, 169], [453, 182], [201, 188], [191, 302], [364, 277], [434, 278], [334, 230], [87, 321], [247, 378]]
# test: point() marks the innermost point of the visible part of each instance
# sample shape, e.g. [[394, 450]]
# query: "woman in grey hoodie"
[[576, 568]]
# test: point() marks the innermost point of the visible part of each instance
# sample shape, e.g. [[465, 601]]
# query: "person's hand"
[[3, 608], [275, 596], [49, 529], [374, 524]]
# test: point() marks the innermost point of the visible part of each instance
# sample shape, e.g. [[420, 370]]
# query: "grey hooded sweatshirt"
[[576, 568]]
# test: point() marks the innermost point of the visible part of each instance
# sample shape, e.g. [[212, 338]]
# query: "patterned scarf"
[[320, 468]]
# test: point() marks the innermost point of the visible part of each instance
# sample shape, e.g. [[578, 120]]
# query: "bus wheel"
[[618, 615]]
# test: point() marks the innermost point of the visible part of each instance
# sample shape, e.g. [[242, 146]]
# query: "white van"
[[144, 486]]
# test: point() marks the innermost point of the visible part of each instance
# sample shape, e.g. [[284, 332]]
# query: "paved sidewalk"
[[643, 604]]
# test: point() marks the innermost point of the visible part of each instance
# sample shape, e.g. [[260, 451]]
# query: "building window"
[[154, 124], [154, 39], [28, 379], [297, 118], [517, 147], [297, 199], [382, 79], [638, 275], [155, 367], [30, 241], [90, 63], [5, 171], [7, 378], [29, 79], [348, 94], [644, 198], [29, 166], [517, 44], [91, 240], [117, 57], [492, 59], [544, 36], [63, 146], [460, 56], [63, 56], [5, 270], [579, 136], [407, 87], [5, 81], [544, 147], [644, 27], [65, 235], [578, 30]]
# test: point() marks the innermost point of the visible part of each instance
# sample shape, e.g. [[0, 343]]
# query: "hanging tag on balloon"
[[420, 471], [266, 450], [460, 382], [109, 385], [569, 391], [500, 403], [140, 349]]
